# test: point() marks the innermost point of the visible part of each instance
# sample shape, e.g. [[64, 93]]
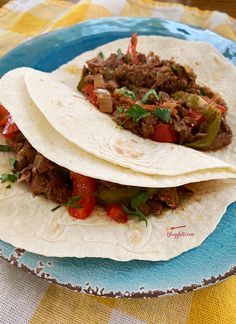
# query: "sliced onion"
[[187, 68], [98, 81], [104, 100]]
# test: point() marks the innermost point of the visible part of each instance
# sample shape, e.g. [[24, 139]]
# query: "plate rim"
[[15, 260]]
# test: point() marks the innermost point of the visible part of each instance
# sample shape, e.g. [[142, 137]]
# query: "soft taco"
[[75, 191], [165, 90], [156, 98]]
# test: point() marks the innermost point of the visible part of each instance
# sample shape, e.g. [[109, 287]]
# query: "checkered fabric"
[[27, 299]]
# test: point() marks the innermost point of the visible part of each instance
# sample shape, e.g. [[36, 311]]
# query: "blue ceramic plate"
[[211, 262]]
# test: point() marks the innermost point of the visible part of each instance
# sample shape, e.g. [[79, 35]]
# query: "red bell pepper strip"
[[117, 213], [132, 48], [10, 130], [4, 114], [198, 117], [88, 89], [163, 133], [222, 108], [149, 107], [84, 188]]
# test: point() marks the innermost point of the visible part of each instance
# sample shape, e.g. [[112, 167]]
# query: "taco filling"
[[156, 99], [79, 193]]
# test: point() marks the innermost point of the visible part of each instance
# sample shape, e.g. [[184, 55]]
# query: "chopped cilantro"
[[119, 53], [101, 55], [55, 208], [136, 201], [125, 92], [9, 177], [163, 114], [8, 186], [150, 92], [73, 202], [120, 109], [137, 112], [4, 148], [174, 68], [12, 162], [139, 199], [202, 92]]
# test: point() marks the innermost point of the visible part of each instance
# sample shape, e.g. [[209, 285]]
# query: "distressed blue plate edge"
[[17, 254]]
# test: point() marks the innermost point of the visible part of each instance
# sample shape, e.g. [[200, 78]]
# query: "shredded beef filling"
[[43, 176], [174, 84], [54, 183]]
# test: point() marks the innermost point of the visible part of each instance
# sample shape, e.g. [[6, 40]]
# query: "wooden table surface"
[[228, 6]]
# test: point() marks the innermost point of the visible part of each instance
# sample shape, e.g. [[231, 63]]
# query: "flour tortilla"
[[96, 133], [47, 141], [211, 67], [28, 223]]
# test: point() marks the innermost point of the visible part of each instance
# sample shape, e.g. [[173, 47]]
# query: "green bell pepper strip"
[[80, 84], [121, 195], [212, 131], [107, 196]]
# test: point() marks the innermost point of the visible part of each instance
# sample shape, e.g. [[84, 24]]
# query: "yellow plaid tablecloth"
[[27, 299]]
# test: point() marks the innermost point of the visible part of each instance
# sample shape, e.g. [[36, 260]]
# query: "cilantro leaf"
[[125, 92], [136, 201], [74, 202], [55, 208], [12, 162], [9, 177], [202, 92], [174, 69], [119, 53], [127, 210], [74, 205], [141, 216], [101, 54], [136, 213], [150, 92], [137, 112], [4, 148], [120, 109], [75, 198], [139, 199], [163, 114]]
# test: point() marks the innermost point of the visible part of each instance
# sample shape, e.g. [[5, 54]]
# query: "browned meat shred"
[[17, 143], [25, 156], [150, 73], [49, 179], [147, 126], [168, 79], [53, 182], [152, 206], [169, 196], [43, 176], [160, 77]]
